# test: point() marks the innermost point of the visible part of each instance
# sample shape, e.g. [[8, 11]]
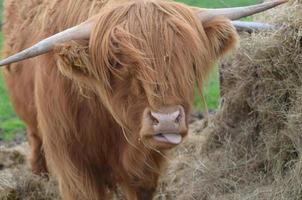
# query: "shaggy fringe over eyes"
[[161, 44]]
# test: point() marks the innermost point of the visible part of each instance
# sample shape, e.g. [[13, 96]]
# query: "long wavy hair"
[[158, 48], [141, 53]]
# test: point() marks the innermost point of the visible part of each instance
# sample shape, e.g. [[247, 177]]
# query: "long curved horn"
[[81, 31], [239, 12]]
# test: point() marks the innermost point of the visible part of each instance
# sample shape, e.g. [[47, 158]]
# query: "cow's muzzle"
[[164, 127]]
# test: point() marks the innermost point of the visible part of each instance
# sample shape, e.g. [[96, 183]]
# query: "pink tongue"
[[173, 138]]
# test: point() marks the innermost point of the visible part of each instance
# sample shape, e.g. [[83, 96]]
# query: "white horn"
[[237, 13], [81, 31]]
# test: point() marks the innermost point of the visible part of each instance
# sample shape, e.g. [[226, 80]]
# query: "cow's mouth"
[[173, 138]]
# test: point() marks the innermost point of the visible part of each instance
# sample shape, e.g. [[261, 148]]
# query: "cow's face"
[[146, 60]]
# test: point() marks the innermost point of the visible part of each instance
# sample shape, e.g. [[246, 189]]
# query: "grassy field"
[[10, 125]]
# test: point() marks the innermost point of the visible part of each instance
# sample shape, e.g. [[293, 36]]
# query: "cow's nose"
[[169, 124]]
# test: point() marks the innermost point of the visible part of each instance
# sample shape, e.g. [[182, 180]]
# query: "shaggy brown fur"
[[83, 103]]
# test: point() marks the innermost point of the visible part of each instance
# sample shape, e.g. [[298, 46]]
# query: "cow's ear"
[[222, 36], [73, 58]]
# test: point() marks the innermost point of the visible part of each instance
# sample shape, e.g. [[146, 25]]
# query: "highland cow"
[[113, 89]]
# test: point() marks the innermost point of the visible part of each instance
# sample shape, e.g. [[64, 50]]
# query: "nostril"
[[178, 118], [154, 120]]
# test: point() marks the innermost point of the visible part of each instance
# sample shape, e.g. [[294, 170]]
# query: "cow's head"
[[143, 60]]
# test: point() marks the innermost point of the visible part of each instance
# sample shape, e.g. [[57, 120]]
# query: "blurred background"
[[11, 127]]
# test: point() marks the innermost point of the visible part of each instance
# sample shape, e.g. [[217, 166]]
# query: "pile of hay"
[[254, 145], [16, 180]]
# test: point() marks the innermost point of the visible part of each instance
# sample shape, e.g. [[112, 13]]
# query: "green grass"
[[10, 125], [210, 93]]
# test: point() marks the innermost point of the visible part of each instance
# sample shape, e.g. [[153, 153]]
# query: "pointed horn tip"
[[2, 63]]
